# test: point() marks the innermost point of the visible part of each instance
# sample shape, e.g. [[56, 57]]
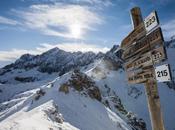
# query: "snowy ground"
[[79, 112]]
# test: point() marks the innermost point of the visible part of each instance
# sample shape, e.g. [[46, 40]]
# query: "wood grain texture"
[[154, 105], [142, 60], [136, 34], [145, 44], [136, 16], [140, 77]]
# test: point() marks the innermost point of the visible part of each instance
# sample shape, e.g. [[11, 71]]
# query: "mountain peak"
[[54, 60], [25, 57], [54, 50]]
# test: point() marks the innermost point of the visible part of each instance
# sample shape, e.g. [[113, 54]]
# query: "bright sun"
[[76, 31]]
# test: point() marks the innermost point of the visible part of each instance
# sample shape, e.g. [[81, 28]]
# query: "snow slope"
[[133, 96], [78, 111]]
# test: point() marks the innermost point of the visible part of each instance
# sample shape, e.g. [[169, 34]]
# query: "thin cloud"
[[4, 20], [60, 19], [90, 2], [74, 47], [13, 54], [169, 29], [97, 2]]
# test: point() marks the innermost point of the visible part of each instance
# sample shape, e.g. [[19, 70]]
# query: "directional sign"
[[163, 73], [145, 44], [150, 58], [158, 54], [140, 77], [151, 21], [143, 48], [136, 34], [138, 62]]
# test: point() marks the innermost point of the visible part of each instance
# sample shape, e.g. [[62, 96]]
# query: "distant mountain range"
[[54, 60]]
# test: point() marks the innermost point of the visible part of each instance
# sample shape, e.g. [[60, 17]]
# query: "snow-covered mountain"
[[55, 107], [92, 96], [30, 68]]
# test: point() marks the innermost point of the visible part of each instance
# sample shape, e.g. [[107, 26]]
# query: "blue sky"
[[34, 26]]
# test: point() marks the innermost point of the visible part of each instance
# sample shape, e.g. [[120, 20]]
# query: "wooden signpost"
[[140, 77], [147, 59], [137, 33], [144, 44], [143, 48]]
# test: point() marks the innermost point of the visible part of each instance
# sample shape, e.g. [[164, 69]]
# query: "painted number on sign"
[[162, 73], [157, 56], [151, 21]]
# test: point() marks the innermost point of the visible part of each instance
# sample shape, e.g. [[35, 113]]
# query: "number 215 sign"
[[163, 73]]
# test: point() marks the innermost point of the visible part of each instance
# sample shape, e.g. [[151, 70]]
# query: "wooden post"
[[136, 16], [151, 85], [154, 105]]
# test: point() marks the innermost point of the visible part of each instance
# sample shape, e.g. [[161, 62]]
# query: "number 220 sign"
[[151, 21], [163, 73]]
